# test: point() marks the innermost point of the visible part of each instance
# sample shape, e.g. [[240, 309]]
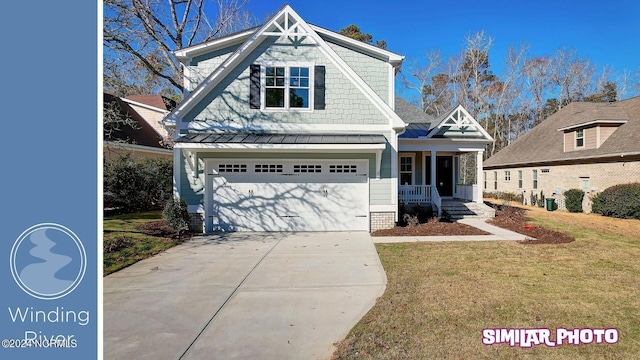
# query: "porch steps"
[[458, 209]]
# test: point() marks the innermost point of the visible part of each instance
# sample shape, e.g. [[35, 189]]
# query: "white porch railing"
[[414, 193], [437, 200], [466, 192]]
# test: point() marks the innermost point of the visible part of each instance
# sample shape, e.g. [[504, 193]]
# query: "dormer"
[[588, 135]]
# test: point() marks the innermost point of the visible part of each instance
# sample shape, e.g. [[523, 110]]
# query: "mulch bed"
[[507, 217], [157, 228], [431, 228], [514, 219]]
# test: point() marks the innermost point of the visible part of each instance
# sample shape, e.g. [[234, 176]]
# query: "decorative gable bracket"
[[191, 158]]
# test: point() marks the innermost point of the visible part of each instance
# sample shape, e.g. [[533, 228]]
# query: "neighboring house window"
[[485, 180], [585, 184], [579, 138], [406, 170], [495, 180], [507, 176], [519, 179], [535, 179]]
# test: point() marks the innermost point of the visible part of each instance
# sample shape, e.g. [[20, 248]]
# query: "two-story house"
[[293, 127]]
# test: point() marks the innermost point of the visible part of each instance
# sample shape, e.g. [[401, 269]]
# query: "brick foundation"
[[382, 220], [196, 225]]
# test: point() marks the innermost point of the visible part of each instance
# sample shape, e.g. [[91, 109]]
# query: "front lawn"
[[124, 243], [440, 296]]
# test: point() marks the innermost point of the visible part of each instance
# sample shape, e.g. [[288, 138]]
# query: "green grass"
[[124, 244], [440, 296]]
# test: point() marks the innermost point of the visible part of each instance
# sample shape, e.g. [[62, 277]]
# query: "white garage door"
[[288, 195]]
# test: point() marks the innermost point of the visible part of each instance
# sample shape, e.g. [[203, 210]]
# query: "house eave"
[[593, 122], [148, 107], [627, 156], [283, 147], [393, 58], [183, 55]]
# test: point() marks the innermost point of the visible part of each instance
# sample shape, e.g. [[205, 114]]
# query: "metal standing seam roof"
[[208, 138]]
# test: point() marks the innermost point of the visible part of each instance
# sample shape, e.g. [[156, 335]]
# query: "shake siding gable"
[[374, 72], [228, 103], [201, 66]]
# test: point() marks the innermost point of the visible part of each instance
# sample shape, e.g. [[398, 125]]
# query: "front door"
[[444, 175]]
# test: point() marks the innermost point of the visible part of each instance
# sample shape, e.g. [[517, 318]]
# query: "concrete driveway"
[[243, 296]]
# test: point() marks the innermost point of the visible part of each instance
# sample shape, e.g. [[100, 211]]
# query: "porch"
[[432, 176], [442, 160]]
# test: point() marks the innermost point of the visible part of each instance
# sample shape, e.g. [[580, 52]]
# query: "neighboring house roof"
[[286, 22], [156, 101], [144, 134], [545, 142]]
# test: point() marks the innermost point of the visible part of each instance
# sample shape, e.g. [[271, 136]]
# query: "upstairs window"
[[580, 138], [282, 86], [507, 175], [287, 87], [535, 179]]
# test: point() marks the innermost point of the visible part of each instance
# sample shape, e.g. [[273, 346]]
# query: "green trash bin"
[[551, 202]]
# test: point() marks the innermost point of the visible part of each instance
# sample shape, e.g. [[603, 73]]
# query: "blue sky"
[[605, 32]]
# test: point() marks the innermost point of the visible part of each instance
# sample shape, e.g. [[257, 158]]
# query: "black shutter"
[[254, 95], [319, 88]]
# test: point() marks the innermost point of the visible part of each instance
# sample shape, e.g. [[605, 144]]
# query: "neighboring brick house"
[[587, 146]]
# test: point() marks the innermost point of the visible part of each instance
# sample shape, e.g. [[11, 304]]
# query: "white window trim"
[[507, 175], [287, 66], [582, 183], [520, 180], [413, 167], [534, 176], [576, 139]]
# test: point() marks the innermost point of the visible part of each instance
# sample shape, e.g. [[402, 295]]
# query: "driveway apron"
[[243, 296]]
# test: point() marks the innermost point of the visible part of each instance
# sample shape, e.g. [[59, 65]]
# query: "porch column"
[[433, 168], [479, 177], [424, 167]]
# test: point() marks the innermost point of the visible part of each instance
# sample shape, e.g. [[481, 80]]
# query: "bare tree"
[[572, 75], [537, 73], [140, 35], [432, 83]]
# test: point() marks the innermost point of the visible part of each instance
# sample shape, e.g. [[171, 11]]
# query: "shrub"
[[541, 202], [176, 214], [413, 214], [137, 184], [573, 200], [111, 245], [620, 201], [534, 199]]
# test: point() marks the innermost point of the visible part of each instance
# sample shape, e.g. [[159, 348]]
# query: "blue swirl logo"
[[48, 261]]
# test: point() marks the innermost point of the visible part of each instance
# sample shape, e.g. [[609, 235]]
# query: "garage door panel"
[[288, 201]]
